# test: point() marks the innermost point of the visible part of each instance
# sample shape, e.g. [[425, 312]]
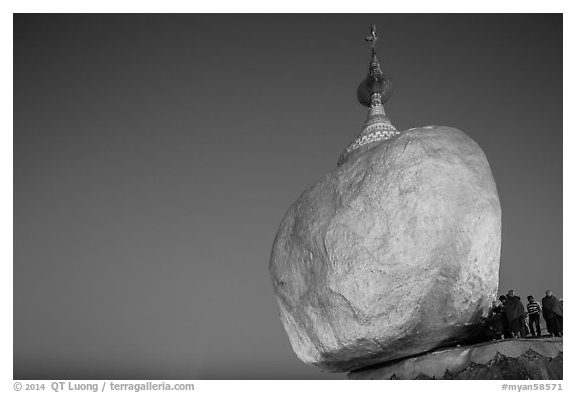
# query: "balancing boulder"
[[394, 253]]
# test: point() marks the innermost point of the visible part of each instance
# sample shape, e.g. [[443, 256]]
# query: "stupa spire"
[[373, 92]]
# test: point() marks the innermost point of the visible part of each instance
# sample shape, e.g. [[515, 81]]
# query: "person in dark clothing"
[[552, 312], [495, 322], [500, 310], [515, 314], [534, 311]]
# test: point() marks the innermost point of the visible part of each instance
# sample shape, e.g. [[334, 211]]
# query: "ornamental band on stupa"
[[373, 92], [396, 251]]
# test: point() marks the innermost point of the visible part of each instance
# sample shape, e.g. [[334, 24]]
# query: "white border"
[[437, 6]]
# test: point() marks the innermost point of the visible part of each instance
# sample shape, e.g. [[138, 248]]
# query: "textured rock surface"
[[392, 254], [504, 359]]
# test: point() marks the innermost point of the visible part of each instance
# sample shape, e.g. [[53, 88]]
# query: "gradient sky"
[[155, 155]]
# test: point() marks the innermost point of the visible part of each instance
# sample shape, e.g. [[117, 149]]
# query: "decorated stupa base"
[[512, 359], [376, 128]]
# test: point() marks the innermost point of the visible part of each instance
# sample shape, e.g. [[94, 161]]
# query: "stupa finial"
[[376, 81], [373, 92], [372, 37]]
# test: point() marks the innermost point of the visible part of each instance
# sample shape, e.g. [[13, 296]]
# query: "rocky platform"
[[512, 359]]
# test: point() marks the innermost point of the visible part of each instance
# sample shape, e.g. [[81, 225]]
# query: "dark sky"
[[155, 155]]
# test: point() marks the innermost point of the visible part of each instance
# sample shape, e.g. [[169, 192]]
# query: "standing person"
[[534, 311], [495, 321], [515, 314], [501, 312], [552, 311]]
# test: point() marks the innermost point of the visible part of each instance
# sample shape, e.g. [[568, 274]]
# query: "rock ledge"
[[519, 359]]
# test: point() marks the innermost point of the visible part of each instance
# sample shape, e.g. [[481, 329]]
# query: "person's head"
[[530, 298], [548, 292], [502, 298], [511, 293]]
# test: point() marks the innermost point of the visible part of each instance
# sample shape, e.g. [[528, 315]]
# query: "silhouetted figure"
[[553, 314], [501, 310], [515, 314], [534, 311], [497, 321]]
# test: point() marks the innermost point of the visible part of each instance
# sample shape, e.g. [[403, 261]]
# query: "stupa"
[[396, 251], [373, 92]]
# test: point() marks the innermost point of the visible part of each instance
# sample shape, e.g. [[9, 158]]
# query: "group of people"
[[510, 319]]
